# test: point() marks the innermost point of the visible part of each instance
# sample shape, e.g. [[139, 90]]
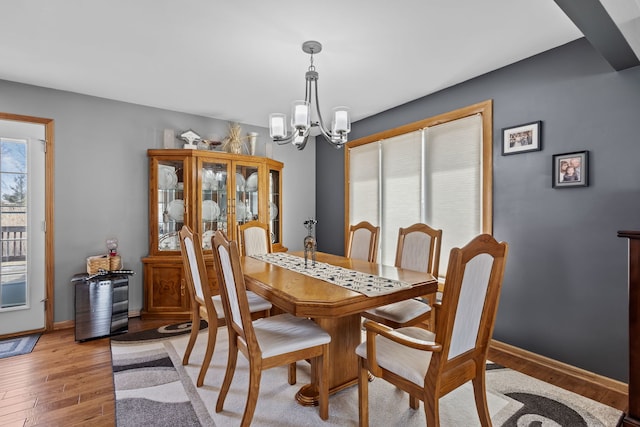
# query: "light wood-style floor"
[[65, 383]]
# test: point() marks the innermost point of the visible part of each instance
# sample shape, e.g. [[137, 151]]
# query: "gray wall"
[[565, 287], [101, 178]]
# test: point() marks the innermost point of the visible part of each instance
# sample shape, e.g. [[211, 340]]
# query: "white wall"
[[299, 190], [101, 178]]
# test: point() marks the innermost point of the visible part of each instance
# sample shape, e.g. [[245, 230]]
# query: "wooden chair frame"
[[243, 338], [202, 297], [444, 374], [373, 241], [433, 263], [242, 228], [432, 266]]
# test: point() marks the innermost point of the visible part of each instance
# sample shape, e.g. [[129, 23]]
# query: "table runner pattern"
[[367, 284]]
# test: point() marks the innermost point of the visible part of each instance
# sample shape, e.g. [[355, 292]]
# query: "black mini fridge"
[[101, 305]]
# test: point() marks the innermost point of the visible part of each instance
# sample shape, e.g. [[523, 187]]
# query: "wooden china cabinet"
[[207, 191]]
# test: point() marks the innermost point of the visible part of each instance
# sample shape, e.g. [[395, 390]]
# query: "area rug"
[[161, 333], [154, 388], [18, 345]]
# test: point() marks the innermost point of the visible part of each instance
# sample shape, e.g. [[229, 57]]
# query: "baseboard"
[[65, 324], [565, 369]]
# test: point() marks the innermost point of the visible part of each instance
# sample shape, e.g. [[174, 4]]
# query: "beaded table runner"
[[367, 284]]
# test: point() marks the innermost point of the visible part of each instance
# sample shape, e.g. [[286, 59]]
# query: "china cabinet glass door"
[[214, 210], [274, 202], [247, 191], [170, 203]]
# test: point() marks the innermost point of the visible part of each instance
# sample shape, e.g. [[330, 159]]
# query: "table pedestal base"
[[345, 336], [308, 395]]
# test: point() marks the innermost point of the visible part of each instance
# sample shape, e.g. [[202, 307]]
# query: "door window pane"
[[13, 223]]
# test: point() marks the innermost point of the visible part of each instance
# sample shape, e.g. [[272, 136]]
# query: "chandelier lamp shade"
[[301, 112]]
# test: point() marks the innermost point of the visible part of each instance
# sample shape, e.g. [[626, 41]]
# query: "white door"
[[22, 221]]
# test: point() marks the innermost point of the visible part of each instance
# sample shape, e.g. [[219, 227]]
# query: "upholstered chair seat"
[[256, 302], [409, 363], [286, 333], [402, 312]]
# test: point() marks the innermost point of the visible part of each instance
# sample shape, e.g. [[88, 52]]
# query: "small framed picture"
[[571, 169], [521, 139]]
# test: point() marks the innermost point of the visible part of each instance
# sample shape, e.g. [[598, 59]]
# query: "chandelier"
[[301, 123]]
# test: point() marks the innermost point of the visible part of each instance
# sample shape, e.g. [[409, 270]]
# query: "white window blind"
[[401, 189], [364, 184], [432, 176], [454, 182]]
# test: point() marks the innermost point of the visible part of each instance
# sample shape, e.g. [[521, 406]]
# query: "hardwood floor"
[[65, 383], [61, 382]]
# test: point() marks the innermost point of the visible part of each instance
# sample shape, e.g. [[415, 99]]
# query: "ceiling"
[[240, 60]]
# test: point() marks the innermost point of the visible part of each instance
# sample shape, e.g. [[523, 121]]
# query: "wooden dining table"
[[335, 308]]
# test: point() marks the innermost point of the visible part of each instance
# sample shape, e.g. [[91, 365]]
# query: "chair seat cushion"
[[404, 361], [256, 303], [217, 304], [285, 333], [401, 311]]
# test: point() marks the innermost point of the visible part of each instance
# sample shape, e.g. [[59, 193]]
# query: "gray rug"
[[17, 346], [153, 388]]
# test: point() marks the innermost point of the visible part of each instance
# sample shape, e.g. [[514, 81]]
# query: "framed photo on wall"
[[521, 138], [571, 169]]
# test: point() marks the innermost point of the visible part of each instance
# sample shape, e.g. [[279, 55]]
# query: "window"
[[437, 171]]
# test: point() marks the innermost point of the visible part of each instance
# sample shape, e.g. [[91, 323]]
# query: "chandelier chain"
[[311, 66]]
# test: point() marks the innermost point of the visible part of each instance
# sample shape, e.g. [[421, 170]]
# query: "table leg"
[[343, 364]]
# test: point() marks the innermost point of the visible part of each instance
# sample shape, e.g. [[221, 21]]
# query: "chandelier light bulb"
[[300, 118], [341, 122], [277, 127]]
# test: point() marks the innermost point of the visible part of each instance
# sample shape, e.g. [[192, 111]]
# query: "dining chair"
[[418, 249], [362, 241], [429, 365], [254, 238], [203, 303], [267, 342]]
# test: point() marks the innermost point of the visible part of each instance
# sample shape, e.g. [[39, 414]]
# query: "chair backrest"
[[362, 241], [226, 258], [419, 248], [254, 238], [469, 304], [195, 271]]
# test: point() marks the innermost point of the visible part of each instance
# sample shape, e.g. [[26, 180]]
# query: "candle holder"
[[310, 244]]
